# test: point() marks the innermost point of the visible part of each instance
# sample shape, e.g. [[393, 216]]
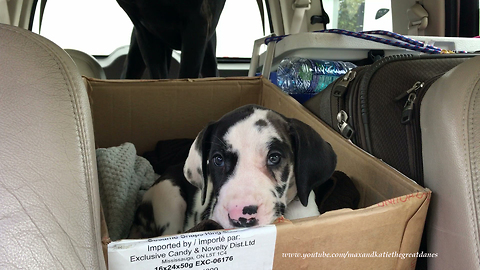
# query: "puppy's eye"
[[274, 159], [218, 160]]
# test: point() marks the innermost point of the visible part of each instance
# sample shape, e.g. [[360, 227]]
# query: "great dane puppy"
[[163, 25], [248, 168]]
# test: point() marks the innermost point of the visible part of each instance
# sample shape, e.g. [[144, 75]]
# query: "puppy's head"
[[257, 162]]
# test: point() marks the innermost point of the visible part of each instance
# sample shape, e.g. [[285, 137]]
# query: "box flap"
[[145, 111], [345, 238]]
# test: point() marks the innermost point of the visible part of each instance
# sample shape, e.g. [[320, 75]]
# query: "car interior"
[[50, 213]]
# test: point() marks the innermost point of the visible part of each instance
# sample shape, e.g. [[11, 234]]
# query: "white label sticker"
[[251, 248]]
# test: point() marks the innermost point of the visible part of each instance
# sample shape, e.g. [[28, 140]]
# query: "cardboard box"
[[384, 234]]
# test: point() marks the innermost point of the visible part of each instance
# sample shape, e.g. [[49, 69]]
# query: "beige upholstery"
[[450, 121], [49, 201], [87, 65]]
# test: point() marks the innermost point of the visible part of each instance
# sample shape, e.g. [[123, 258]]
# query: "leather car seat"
[[87, 64], [450, 126], [49, 198]]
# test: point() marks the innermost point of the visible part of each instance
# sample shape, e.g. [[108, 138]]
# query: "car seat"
[[87, 65], [450, 126], [49, 198]]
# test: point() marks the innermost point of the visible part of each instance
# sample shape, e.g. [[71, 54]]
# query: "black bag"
[[377, 106]]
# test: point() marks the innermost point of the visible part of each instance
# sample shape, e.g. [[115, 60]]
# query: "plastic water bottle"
[[306, 76]]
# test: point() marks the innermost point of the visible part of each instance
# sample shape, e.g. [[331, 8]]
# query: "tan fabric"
[[50, 210], [87, 65], [450, 121]]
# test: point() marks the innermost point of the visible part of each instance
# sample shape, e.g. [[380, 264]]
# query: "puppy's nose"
[[243, 222], [243, 216], [250, 210]]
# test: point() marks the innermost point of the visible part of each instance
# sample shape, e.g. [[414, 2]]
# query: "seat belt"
[[4, 12], [417, 20], [299, 9], [43, 3], [262, 14]]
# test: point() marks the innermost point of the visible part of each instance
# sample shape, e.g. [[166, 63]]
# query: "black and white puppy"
[[248, 168]]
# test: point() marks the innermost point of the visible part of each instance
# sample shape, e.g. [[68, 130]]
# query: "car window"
[[359, 15], [98, 27]]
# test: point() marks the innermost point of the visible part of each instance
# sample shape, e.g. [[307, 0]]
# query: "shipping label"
[[251, 248]]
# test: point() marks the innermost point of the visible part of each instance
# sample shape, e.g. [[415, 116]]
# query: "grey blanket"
[[123, 179]]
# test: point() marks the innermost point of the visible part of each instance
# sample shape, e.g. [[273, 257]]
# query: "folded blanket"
[[123, 179]]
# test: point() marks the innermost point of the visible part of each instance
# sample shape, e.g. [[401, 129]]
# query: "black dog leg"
[[193, 51], [155, 53], [134, 66], [209, 67]]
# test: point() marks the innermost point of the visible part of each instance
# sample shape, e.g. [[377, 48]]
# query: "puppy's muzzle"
[[243, 216]]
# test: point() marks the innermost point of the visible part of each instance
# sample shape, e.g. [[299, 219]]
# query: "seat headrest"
[[48, 181], [87, 64]]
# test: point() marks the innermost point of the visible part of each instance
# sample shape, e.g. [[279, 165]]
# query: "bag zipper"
[[363, 99], [407, 112], [341, 87], [352, 104], [409, 109], [363, 93], [338, 91], [342, 91], [410, 118]]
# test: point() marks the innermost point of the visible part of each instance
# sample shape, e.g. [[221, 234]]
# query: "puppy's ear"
[[315, 160], [196, 166]]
